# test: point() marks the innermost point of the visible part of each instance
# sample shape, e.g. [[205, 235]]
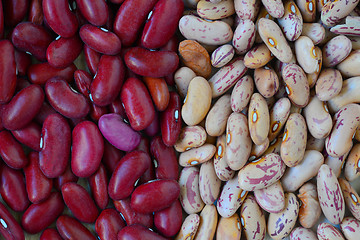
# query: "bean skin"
[[8, 71]]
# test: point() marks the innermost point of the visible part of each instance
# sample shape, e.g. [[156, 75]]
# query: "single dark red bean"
[[166, 166], [12, 189], [39, 216], [9, 227], [29, 135], [159, 92], [117, 107], [162, 23], [79, 201], [151, 63], [154, 126], [7, 71], [21, 83], [137, 103], [96, 12], [50, 234], [67, 176], [108, 224], [132, 217], [171, 45], [23, 62], [32, 38], [65, 100], [23, 107], [45, 110], [38, 186], [63, 51], [69, 229], [60, 18], [144, 145], [98, 183], [170, 120], [96, 112], [92, 59], [83, 81], [87, 149], [111, 156], [36, 14], [130, 168], [170, 79], [11, 151], [168, 221], [108, 80], [41, 72], [138, 232], [149, 174], [55, 145], [15, 11], [130, 18], [155, 196]]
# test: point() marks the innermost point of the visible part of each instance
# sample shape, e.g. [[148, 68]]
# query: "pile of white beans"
[[271, 146]]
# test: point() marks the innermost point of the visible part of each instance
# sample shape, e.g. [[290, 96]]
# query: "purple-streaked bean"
[[118, 133], [10, 228], [168, 221], [222, 55], [8, 71], [307, 9], [247, 10], [241, 94], [11, 151], [108, 224], [348, 67], [299, 233], [208, 223], [310, 210], [315, 31], [258, 150], [182, 77], [280, 224], [333, 12], [258, 119], [189, 227], [63, 51], [198, 155], [229, 228], [258, 56], [274, 7], [352, 164], [252, 219], [336, 163], [197, 102], [170, 120], [266, 81], [336, 50], [96, 12], [190, 137], [244, 36], [238, 141], [98, 183], [327, 231], [291, 22], [306, 54], [348, 94], [70, 228], [216, 119], [315, 144], [346, 121], [295, 177], [278, 117], [271, 198], [214, 11], [351, 198], [261, 173], [330, 196], [328, 84], [137, 231], [222, 169], [209, 184], [350, 227]]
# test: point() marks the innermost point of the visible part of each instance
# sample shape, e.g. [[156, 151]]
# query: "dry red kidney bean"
[[83, 81], [63, 51], [9, 227], [100, 39], [41, 72], [60, 18], [108, 80], [166, 162], [171, 45], [117, 107], [12, 189], [32, 38], [23, 107], [137, 103], [130, 18], [45, 111], [65, 100], [36, 14], [155, 195], [108, 224], [50, 234], [127, 172], [55, 146], [111, 157], [87, 149], [15, 11], [38, 186], [96, 12], [162, 24], [79, 201], [23, 62], [154, 126], [29, 135], [138, 232], [168, 221], [39, 216], [98, 183], [69, 228], [151, 63], [7, 71], [67, 176], [92, 59], [96, 112], [11, 151], [21, 83], [159, 92]]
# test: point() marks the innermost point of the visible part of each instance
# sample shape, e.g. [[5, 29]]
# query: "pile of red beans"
[[109, 124]]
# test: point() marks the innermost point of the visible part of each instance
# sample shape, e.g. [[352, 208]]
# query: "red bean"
[[55, 145], [65, 100], [92, 59], [60, 18], [44, 112], [170, 79], [137, 103], [151, 63], [159, 92], [130, 18], [38, 186], [23, 62], [67, 176], [7, 71], [98, 183], [83, 81], [131, 216], [23, 107], [41, 72], [137, 232], [155, 196], [69, 228], [63, 51], [39, 216], [29, 135], [36, 14], [117, 107], [95, 11], [170, 120], [32, 38], [127, 172], [50, 234], [108, 224], [154, 126], [108, 80], [96, 112], [162, 23], [15, 11], [12, 189], [171, 45], [21, 83], [111, 156], [11, 151], [168, 221], [78, 200], [9, 227]]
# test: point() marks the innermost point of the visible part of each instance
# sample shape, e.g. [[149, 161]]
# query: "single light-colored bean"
[[352, 166], [247, 9], [307, 9], [229, 228], [244, 36], [348, 94], [336, 50], [266, 81], [263, 13], [312, 77], [328, 84], [350, 227], [258, 56], [351, 198], [258, 119], [241, 94], [301, 233], [258, 150], [222, 169], [252, 219], [333, 12], [208, 223], [306, 54], [222, 55], [349, 67], [274, 7], [216, 119], [291, 22], [336, 163], [327, 231], [189, 227], [214, 11], [315, 31], [182, 78], [196, 156], [279, 114], [209, 184], [355, 41], [315, 143], [271, 198], [310, 211], [190, 137]]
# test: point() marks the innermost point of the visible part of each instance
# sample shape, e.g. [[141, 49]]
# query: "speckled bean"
[[271, 198], [291, 22], [306, 54], [241, 94], [348, 94], [336, 50], [278, 117], [189, 227], [266, 81], [208, 222], [229, 228], [350, 227], [352, 165], [214, 11], [349, 67], [315, 31], [351, 198], [222, 55], [301, 233], [258, 118], [182, 79], [327, 231], [258, 150], [258, 56], [307, 9], [222, 169], [336, 163], [252, 219], [189, 190], [247, 9], [315, 144], [215, 123], [209, 184], [244, 36], [196, 156], [274, 7], [333, 12], [329, 84], [190, 137], [310, 210]]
